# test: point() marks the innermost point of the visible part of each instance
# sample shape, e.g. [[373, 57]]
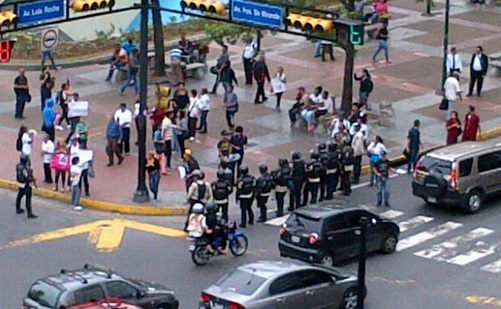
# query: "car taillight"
[[313, 238], [236, 306], [418, 164], [283, 229], [454, 177], [205, 298]]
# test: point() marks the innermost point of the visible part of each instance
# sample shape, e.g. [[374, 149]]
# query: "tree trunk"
[[428, 7], [349, 64], [158, 39], [351, 5]]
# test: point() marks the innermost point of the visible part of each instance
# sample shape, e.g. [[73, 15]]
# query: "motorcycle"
[[237, 242]]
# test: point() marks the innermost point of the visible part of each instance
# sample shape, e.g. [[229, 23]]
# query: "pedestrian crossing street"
[[445, 242]]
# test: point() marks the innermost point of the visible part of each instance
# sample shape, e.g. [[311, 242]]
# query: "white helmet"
[[197, 208]]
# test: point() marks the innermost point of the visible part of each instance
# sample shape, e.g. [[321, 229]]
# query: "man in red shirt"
[[471, 125]]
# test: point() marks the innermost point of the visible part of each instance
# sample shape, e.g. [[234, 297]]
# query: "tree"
[[429, 5], [158, 39]]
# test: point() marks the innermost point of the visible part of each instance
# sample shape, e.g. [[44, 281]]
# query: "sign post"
[[257, 13], [50, 38]]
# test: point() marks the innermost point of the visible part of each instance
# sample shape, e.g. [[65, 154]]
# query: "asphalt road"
[[441, 264]]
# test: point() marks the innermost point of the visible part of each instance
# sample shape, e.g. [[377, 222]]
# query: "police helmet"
[[211, 208], [321, 147], [331, 146], [223, 164], [263, 168], [202, 175], [314, 154], [220, 175], [244, 169], [296, 155], [283, 162], [197, 208]]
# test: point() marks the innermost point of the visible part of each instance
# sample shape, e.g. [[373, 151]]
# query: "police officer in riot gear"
[[347, 161], [264, 185], [332, 170], [221, 190], [25, 179], [324, 157], [298, 178], [227, 172], [313, 173], [245, 195], [282, 178]]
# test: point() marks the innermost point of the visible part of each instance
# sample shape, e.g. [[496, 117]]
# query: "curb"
[[399, 160], [100, 205]]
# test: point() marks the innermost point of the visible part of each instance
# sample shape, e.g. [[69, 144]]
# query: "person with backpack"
[[298, 179], [366, 86], [245, 195], [24, 176], [221, 190], [281, 178], [230, 101], [331, 170], [347, 162], [313, 173], [264, 185]]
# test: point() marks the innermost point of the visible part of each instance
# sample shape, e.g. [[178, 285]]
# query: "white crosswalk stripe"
[[482, 250], [278, 221], [494, 267], [448, 249], [413, 223], [391, 214], [422, 237]]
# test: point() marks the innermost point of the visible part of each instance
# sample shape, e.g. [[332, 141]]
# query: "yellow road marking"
[[105, 235], [483, 300]]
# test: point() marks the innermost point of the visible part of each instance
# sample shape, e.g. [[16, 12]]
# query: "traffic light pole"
[[446, 43], [362, 257], [141, 194]]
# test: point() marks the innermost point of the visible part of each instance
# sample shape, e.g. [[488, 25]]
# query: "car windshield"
[[434, 165], [241, 282], [44, 294], [304, 223]]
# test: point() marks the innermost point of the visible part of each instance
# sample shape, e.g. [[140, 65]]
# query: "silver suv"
[[459, 175]]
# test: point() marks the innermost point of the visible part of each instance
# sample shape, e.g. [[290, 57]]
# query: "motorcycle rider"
[[298, 177], [221, 190], [332, 170], [282, 177], [197, 223], [215, 229], [324, 157], [313, 172], [264, 185], [245, 195]]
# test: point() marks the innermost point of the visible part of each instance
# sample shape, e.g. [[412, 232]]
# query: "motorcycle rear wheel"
[[200, 256], [239, 245]]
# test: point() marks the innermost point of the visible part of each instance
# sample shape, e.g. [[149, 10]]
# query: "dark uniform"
[[282, 177], [324, 158], [264, 185], [228, 172], [245, 195], [221, 190], [24, 175], [332, 170], [347, 161], [313, 173], [298, 178]]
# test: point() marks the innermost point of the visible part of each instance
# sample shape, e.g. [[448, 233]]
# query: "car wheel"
[[350, 300], [389, 244], [473, 202], [327, 259]]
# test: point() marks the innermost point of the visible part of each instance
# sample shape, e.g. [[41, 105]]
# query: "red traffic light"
[[6, 50]]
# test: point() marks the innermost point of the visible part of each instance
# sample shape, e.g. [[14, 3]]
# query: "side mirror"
[[140, 294]]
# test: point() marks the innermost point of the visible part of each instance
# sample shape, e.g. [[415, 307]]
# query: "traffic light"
[[90, 5], [211, 6], [349, 31], [6, 50], [7, 18], [309, 23]]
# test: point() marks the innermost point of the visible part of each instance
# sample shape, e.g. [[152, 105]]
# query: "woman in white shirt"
[[204, 105], [193, 114], [278, 85]]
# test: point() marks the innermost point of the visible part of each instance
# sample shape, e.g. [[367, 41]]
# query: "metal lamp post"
[[446, 42], [141, 194]]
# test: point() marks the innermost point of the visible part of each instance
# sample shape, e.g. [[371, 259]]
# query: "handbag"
[[406, 153], [28, 98], [213, 70], [444, 105]]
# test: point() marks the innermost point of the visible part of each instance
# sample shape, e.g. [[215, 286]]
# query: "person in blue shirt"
[[114, 136], [413, 145], [48, 116], [129, 46]]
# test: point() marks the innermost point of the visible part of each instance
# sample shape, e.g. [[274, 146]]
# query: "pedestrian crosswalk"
[[441, 241]]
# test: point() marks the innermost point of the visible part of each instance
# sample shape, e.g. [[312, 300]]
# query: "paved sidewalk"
[[409, 82]]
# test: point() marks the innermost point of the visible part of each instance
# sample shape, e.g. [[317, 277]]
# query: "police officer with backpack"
[[221, 190], [282, 178], [324, 158], [347, 162], [24, 176], [264, 185], [313, 173], [332, 169], [298, 178], [245, 195]]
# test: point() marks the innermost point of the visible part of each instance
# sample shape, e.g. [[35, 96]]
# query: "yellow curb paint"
[[105, 235], [483, 300]]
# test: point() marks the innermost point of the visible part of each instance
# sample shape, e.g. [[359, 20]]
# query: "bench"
[[195, 70], [495, 64]]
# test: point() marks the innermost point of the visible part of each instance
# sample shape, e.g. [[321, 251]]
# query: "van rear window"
[[434, 165], [44, 294]]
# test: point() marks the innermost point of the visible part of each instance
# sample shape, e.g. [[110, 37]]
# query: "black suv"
[[91, 283], [329, 234]]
